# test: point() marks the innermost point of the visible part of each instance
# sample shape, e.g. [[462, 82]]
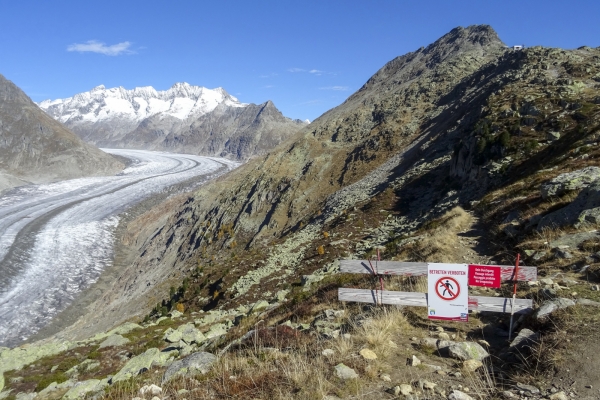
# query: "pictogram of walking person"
[[447, 286]]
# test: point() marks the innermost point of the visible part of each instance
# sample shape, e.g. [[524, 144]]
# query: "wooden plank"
[[417, 299], [420, 269]]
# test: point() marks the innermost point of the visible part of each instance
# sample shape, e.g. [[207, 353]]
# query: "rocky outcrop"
[[584, 209], [570, 181], [197, 363], [35, 148]]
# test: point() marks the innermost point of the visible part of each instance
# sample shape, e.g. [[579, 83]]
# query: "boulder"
[[525, 338], [142, 363], [550, 306], [458, 395], [150, 389], [344, 372], [81, 389], [216, 330], [584, 209], [200, 362], [467, 351], [14, 359], [190, 334], [570, 181], [172, 335], [114, 340]]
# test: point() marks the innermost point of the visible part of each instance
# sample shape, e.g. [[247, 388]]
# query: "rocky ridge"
[[35, 149], [184, 118]]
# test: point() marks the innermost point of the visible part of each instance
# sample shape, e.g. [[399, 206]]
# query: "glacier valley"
[[56, 239]]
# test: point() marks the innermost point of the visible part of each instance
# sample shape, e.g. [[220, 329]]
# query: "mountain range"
[[184, 118], [35, 148]]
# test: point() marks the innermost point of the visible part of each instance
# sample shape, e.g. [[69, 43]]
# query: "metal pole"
[[514, 297]]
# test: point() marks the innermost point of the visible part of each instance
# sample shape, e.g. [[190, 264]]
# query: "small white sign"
[[448, 294]]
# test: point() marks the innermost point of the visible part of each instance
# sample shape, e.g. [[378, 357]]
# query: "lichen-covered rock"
[[216, 330], [14, 359], [585, 208], [142, 363], [114, 340], [172, 335], [81, 389], [570, 181], [200, 362], [260, 305], [467, 351], [190, 334]]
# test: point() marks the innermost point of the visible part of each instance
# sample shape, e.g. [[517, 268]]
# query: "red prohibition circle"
[[453, 291]]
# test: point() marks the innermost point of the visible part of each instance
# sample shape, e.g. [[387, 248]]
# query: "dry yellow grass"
[[439, 241]]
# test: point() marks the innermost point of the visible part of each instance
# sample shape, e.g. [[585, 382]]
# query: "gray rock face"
[[200, 362], [570, 181], [585, 208], [467, 351], [526, 337], [35, 148], [550, 306]]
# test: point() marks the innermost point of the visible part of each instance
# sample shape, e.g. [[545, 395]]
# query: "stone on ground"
[[153, 389], [467, 351], [344, 372], [414, 361], [200, 362], [458, 395], [81, 389], [368, 354], [559, 396], [114, 340]]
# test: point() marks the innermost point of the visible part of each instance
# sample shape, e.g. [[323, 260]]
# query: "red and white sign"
[[484, 275], [448, 294]]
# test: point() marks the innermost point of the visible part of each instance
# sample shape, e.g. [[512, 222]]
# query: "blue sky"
[[306, 56]]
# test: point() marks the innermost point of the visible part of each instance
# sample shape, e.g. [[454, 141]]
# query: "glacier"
[[56, 239]]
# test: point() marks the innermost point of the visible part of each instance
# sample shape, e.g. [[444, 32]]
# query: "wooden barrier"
[[418, 299]]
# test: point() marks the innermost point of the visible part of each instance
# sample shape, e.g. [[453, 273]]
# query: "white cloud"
[[94, 46], [296, 70], [337, 88]]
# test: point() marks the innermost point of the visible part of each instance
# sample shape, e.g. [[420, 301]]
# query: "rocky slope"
[[36, 148], [343, 158], [511, 136], [185, 118]]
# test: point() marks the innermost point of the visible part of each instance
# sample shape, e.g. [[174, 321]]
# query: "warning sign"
[[448, 294], [484, 275]]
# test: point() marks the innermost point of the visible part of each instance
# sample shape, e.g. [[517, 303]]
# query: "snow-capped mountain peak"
[[180, 101]]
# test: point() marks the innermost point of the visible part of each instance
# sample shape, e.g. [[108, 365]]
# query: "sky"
[[306, 56]]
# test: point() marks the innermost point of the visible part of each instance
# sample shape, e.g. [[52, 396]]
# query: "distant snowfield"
[[56, 239]]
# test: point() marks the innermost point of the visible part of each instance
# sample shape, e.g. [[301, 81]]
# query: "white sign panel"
[[448, 294]]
